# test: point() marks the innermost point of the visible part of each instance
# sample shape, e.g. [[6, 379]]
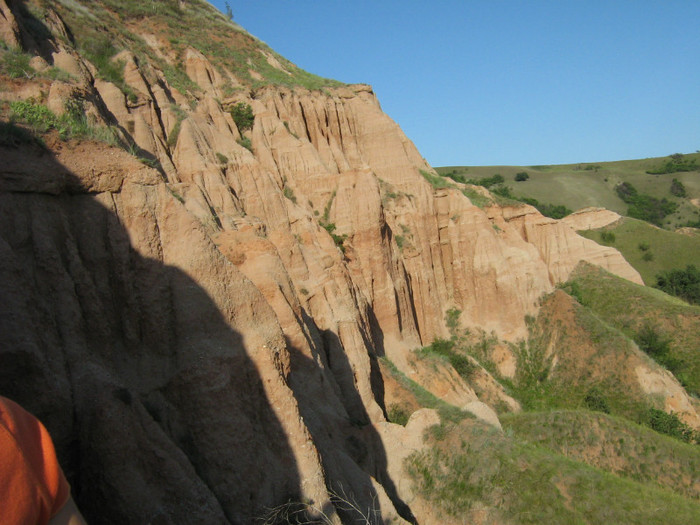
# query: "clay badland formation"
[[217, 329]]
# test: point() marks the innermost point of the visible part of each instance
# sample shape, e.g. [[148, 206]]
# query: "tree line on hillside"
[[495, 184], [644, 207]]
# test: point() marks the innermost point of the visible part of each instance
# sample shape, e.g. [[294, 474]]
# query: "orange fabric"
[[32, 485]]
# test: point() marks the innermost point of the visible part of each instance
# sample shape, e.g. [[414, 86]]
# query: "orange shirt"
[[32, 485]]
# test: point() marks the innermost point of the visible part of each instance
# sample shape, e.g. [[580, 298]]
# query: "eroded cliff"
[[217, 320]]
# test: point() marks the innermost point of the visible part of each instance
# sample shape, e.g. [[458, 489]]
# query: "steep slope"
[[202, 335]]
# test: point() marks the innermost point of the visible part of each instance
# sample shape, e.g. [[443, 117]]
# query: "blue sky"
[[489, 82]]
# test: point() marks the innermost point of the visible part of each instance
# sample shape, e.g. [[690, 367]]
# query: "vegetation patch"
[[476, 471], [246, 143], [436, 181], [15, 64], [446, 348], [681, 283], [645, 207], [242, 115], [613, 444], [676, 163], [448, 413], [661, 325], [72, 124]]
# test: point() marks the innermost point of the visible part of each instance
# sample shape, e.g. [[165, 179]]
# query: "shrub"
[[242, 115], [174, 134], [670, 425], [337, 239], [452, 320], [647, 256], [457, 177], [487, 182], [289, 193], [607, 237], [398, 414], [246, 143], [444, 347], [594, 400], [554, 211], [223, 159], [643, 246], [651, 340], [681, 283], [644, 207], [678, 189], [521, 176], [503, 191]]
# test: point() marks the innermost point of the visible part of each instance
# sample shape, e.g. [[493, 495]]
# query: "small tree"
[[521, 176], [243, 116]]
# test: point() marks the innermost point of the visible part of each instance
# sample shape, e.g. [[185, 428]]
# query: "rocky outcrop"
[[562, 249], [591, 219]]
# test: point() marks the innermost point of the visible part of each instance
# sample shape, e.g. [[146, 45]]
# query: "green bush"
[[651, 340], [678, 189], [607, 237], [246, 143], [554, 211], [289, 193], [398, 414], [243, 116], [670, 425], [644, 207], [521, 176], [681, 283], [487, 182], [594, 400], [461, 363]]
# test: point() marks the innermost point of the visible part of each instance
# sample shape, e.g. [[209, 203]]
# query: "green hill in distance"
[[582, 185]]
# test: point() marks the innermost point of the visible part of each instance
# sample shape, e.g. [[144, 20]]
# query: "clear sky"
[[517, 82]]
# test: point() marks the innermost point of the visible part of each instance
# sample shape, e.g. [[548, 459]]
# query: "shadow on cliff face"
[[350, 447], [158, 413]]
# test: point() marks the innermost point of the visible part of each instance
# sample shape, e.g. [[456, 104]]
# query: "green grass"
[[669, 250], [477, 470], [613, 444], [15, 64], [582, 185], [71, 124], [627, 307], [448, 413]]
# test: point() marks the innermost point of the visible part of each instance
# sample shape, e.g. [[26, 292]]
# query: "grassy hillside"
[[648, 249], [612, 444], [110, 26], [477, 474], [632, 308], [578, 186]]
